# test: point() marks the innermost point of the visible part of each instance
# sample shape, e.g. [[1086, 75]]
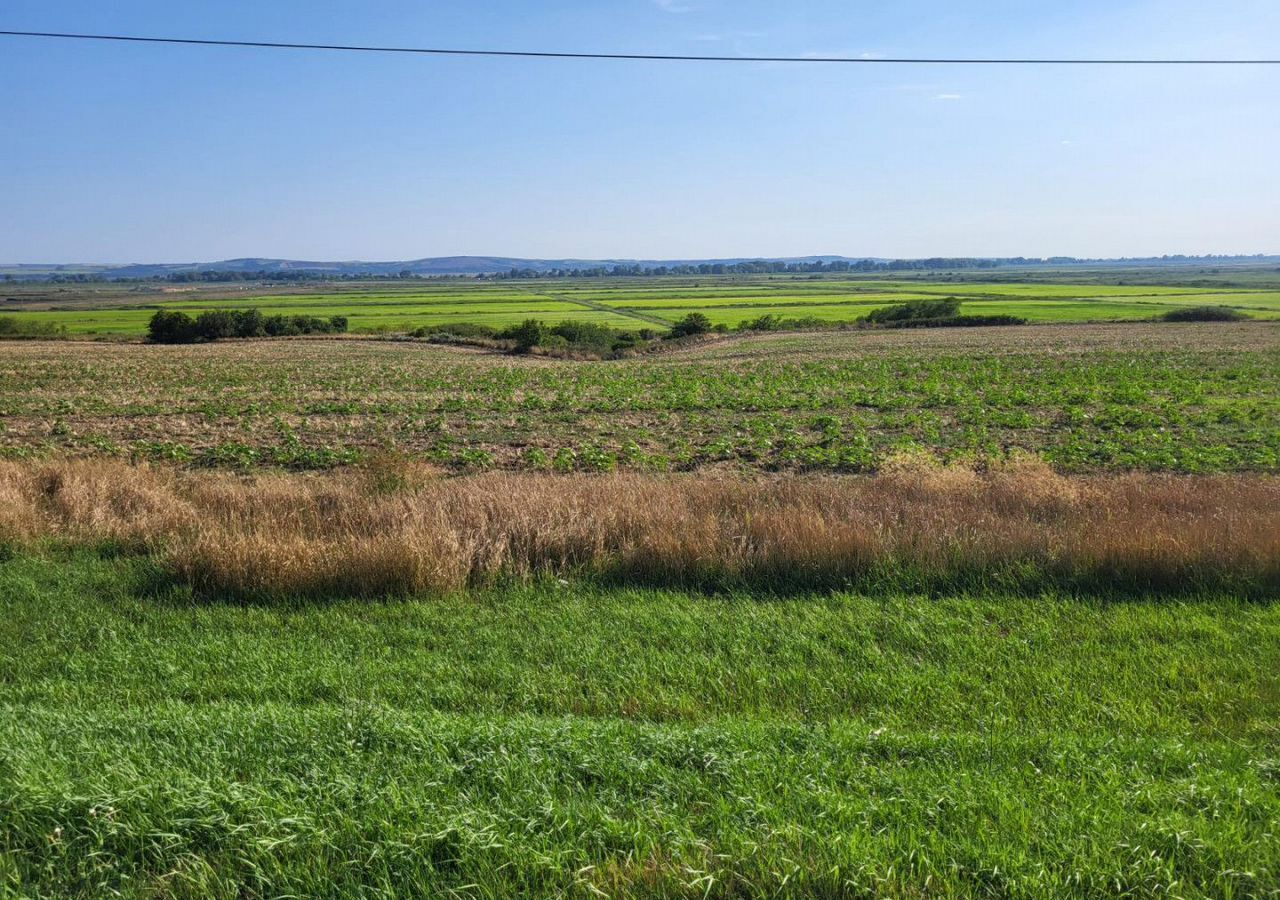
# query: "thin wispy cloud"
[[673, 6], [713, 37], [948, 96]]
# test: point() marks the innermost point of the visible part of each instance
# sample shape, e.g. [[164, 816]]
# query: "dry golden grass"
[[399, 529]]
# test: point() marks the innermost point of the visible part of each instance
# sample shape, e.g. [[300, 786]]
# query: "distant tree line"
[[176, 327], [838, 266], [210, 275], [753, 267], [285, 275]]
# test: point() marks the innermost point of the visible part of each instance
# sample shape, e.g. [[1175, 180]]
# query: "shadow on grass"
[[144, 573], [152, 578]]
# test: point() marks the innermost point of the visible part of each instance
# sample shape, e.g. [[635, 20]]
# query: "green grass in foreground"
[[555, 739]]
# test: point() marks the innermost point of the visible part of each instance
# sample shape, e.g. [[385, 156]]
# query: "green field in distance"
[[631, 303]]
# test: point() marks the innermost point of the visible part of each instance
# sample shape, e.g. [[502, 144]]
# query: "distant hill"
[[436, 265], [485, 265]]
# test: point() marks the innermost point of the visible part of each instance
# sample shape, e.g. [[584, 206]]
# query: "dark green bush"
[[249, 323], [694, 323], [915, 309], [1204, 314], [171, 327]]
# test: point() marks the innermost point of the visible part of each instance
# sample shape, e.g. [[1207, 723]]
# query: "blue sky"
[[118, 153]]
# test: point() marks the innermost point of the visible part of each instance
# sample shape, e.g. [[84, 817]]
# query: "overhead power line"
[[650, 57]]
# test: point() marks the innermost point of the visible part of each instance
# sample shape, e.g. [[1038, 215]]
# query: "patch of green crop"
[[1174, 409]]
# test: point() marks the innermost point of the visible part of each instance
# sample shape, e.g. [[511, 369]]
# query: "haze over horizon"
[[577, 258], [136, 154]]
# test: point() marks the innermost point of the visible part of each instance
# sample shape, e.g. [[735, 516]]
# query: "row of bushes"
[[943, 313], [569, 337], [574, 337], [174, 327], [14, 327], [584, 337]]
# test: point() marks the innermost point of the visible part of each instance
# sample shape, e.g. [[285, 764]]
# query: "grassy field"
[[567, 739], [1193, 398], [623, 303]]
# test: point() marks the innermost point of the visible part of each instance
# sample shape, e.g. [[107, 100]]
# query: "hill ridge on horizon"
[[483, 265]]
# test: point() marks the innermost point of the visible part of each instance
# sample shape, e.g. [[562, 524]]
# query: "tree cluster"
[[575, 336], [176, 327]]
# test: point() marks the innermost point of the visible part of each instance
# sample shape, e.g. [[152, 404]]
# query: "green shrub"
[[694, 323], [528, 334]]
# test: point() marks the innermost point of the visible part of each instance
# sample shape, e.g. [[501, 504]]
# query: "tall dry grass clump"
[[1018, 524]]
